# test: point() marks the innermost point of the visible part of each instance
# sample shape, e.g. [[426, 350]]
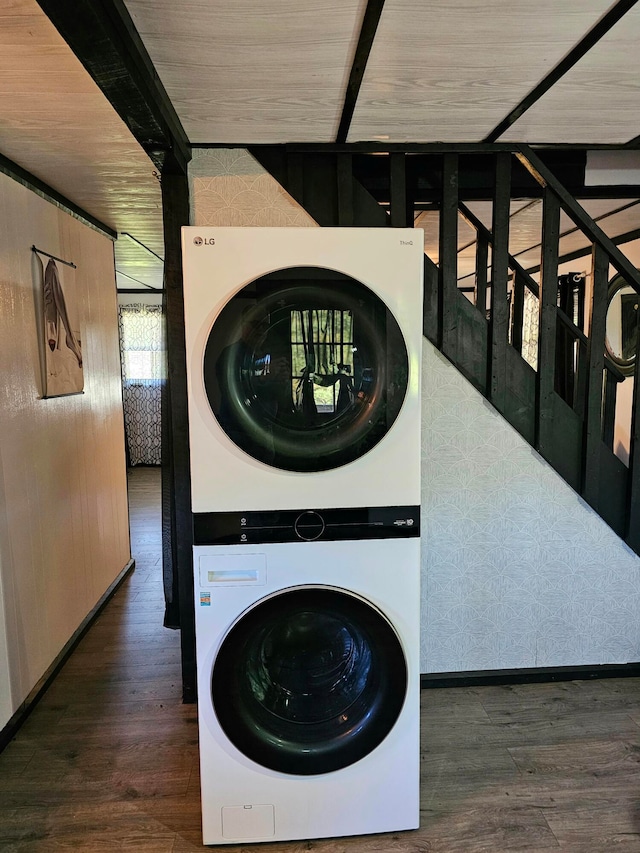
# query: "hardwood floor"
[[108, 760]]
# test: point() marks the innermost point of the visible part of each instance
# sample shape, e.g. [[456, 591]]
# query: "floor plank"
[[108, 760]]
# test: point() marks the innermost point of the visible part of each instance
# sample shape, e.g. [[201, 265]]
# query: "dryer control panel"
[[306, 525]]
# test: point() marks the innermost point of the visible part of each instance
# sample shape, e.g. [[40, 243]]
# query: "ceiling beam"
[[105, 40], [574, 56], [370, 23]]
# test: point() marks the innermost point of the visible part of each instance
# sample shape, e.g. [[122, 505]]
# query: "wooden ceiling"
[[258, 71], [275, 71], [57, 124]]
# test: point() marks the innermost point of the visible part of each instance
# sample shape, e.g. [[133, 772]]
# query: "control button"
[[309, 526]]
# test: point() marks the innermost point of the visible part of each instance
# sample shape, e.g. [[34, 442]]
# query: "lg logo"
[[208, 241]]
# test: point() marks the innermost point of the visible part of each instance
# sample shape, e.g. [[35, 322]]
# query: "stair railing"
[[572, 426]]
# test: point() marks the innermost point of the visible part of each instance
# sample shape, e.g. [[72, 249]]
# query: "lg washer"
[[303, 357], [308, 682], [303, 367]]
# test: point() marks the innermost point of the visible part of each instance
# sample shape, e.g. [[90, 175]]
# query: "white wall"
[[64, 533], [517, 571]]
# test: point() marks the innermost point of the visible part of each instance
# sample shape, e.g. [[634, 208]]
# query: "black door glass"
[[309, 681], [305, 369]]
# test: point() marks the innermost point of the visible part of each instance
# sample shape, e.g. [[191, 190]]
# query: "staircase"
[[560, 391]]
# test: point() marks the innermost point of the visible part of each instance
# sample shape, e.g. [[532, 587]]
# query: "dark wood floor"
[[108, 759]]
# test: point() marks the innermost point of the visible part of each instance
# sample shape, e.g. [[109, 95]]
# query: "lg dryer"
[[303, 357]]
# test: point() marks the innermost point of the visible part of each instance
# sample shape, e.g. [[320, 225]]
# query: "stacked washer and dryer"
[[303, 367]]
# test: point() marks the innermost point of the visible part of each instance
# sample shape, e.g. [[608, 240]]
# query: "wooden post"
[[345, 189], [517, 319], [482, 264], [499, 322], [548, 321], [633, 518], [595, 361], [609, 408], [398, 190], [447, 309], [175, 204]]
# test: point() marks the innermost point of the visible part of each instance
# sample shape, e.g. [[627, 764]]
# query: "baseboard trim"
[[10, 730], [533, 675]]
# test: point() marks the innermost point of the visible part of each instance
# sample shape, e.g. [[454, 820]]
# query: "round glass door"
[[305, 369], [309, 681]]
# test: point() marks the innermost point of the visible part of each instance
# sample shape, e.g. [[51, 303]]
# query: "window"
[[141, 341], [322, 350], [143, 370]]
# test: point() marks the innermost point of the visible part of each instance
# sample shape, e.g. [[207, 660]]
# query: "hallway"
[[108, 759]]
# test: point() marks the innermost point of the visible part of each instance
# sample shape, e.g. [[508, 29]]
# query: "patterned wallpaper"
[[517, 571], [229, 187]]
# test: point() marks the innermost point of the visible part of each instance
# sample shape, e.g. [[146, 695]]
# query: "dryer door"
[[305, 369], [309, 680]]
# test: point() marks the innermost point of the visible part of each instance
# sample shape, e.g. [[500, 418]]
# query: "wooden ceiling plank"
[[449, 71], [596, 101], [363, 49], [13, 170], [103, 37], [597, 32], [254, 71]]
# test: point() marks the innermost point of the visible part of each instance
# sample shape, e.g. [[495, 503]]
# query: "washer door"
[[309, 681], [306, 369]]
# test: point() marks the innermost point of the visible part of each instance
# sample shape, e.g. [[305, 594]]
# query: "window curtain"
[[143, 357]]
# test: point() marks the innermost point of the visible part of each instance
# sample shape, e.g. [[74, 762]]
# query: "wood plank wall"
[[64, 534]]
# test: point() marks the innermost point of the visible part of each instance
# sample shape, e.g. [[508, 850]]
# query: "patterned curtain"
[[143, 357]]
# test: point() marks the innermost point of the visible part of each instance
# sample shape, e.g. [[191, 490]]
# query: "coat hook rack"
[[53, 257]]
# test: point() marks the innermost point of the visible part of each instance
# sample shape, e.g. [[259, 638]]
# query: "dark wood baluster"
[[595, 351], [499, 323], [398, 190], [482, 264], [548, 321], [447, 311], [344, 169]]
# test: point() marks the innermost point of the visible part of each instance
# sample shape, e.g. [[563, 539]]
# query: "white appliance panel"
[[219, 262], [243, 801]]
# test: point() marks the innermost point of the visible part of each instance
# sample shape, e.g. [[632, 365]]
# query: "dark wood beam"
[[585, 251], [594, 35], [370, 23], [177, 525], [499, 323], [105, 40], [448, 254], [547, 329], [579, 216], [595, 358]]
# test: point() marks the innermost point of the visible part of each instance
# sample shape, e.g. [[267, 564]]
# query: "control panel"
[[305, 525]]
